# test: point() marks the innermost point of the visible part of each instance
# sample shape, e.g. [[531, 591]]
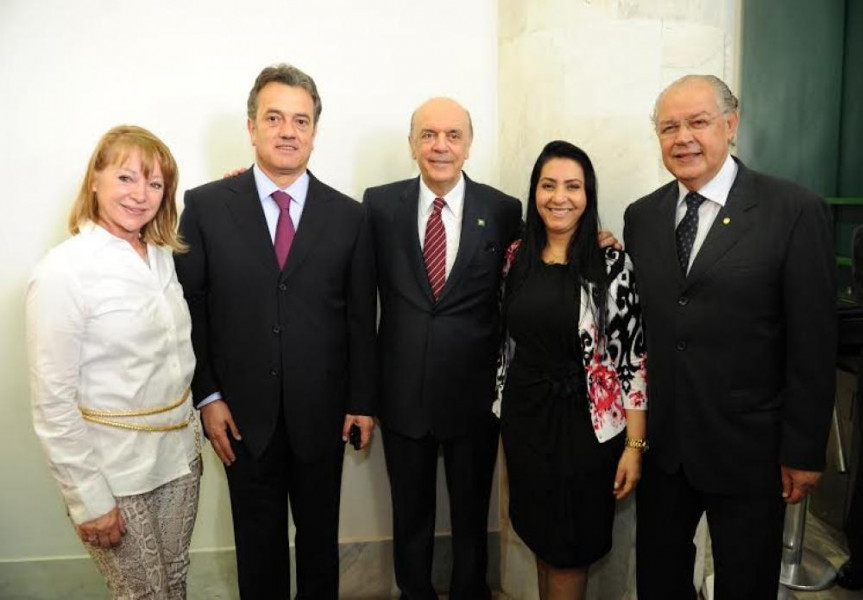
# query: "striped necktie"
[[434, 249]]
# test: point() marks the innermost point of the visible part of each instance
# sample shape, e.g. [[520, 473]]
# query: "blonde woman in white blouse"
[[111, 362]]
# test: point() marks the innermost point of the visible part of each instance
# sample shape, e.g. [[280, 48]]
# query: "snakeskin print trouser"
[[152, 560]]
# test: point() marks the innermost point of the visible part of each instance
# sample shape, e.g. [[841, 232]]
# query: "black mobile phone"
[[355, 436]]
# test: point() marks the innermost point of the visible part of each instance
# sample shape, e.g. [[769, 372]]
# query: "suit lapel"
[[245, 207], [730, 225], [311, 226], [470, 236], [666, 250]]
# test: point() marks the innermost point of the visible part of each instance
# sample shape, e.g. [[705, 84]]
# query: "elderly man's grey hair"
[[725, 100]]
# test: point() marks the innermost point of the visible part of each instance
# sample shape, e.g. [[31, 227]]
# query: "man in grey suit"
[[439, 242], [735, 272]]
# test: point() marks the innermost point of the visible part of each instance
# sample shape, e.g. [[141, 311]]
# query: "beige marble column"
[[588, 71]]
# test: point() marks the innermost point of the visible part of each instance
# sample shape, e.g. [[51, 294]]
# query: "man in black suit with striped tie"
[[439, 241]]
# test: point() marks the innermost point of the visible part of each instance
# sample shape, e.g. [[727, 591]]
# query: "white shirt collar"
[[91, 229], [718, 188], [298, 190], [454, 199], [96, 233]]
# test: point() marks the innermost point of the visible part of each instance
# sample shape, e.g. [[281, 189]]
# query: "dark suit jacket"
[[437, 360], [741, 352], [302, 337]]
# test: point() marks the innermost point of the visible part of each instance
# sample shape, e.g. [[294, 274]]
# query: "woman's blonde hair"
[[113, 149]]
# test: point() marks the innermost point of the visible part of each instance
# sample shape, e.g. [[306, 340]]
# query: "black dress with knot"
[[561, 477]]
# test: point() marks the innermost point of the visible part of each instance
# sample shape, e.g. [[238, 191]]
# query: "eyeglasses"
[[671, 128]]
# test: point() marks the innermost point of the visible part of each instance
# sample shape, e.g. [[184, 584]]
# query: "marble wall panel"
[[691, 48], [708, 12], [516, 17], [555, 95]]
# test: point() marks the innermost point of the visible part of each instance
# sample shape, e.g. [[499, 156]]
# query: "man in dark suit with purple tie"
[[279, 278]]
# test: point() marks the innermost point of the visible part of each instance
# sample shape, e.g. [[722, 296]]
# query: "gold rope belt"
[[104, 417]]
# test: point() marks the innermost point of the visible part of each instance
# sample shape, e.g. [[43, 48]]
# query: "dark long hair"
[[585, 258]]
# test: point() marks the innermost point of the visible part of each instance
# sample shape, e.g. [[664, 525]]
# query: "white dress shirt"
[[298, 191], [107, 332], [451, 216], [716, 191]]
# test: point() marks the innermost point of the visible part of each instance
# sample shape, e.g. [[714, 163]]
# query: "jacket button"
[[681, 345], [683, 301], [274, 372], [276, 329], [283, 286]]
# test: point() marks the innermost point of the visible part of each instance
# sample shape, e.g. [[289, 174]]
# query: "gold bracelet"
[[637, 443]]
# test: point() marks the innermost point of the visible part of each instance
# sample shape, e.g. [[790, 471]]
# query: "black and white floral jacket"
[[615, 366]]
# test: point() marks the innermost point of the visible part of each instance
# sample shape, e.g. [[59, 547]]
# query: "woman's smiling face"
[[128, 198], [560, 195]]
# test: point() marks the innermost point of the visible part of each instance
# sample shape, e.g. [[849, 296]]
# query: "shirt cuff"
[[209, 400], [89, 501]]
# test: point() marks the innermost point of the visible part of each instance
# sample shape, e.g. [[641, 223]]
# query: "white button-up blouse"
[[107, 332]]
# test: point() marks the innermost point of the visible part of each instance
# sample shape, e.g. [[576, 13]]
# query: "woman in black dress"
[[572, 376]]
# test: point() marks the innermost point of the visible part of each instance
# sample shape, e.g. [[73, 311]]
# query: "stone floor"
[[829, 543], [821, 538], [214, 578]]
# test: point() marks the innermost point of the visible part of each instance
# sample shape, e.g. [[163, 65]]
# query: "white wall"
[[70, 70]]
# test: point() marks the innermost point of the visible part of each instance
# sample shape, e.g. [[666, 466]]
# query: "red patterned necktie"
[[284, 228], [434, 248]]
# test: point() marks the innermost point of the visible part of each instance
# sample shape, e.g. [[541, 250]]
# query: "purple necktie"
[[434, 248], [284, 228]]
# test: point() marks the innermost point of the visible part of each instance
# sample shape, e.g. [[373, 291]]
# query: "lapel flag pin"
[[726, 221], [480, 222]]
